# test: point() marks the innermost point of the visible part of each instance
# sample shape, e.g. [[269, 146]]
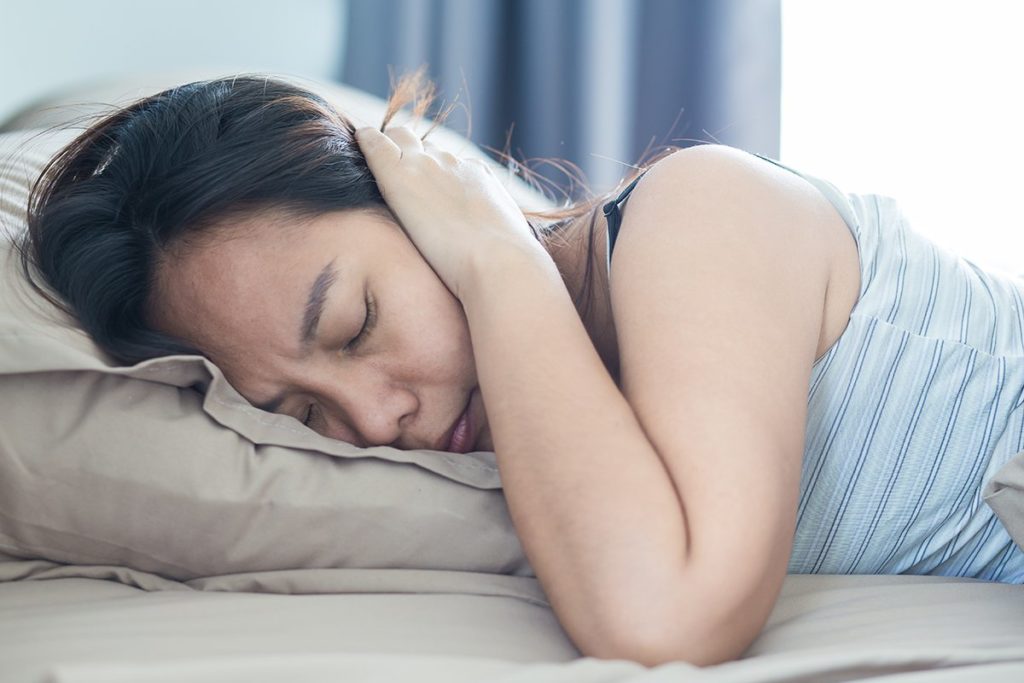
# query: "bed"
[[200, 540]]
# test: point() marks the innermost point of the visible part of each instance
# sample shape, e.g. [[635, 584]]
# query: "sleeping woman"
[[744, 373]]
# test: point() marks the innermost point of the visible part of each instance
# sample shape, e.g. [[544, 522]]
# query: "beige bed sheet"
[[75, 623]]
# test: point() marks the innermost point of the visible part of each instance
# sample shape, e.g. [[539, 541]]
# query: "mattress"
[[67, 623]]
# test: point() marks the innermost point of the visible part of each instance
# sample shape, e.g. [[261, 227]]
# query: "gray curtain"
[[594, 82]]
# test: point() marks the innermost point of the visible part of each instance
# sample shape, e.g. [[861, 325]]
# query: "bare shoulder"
[[712, 221], [717, 287], [807, 229], [722, 256], [723, 180]]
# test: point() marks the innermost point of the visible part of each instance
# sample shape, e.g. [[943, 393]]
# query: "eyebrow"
[[310, 320], [315, 303]]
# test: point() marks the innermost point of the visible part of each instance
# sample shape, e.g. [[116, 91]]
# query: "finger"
[[439, 153], [379, 150], [406, 140]]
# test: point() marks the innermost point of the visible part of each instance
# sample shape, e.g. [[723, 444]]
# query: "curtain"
[[594, 82]]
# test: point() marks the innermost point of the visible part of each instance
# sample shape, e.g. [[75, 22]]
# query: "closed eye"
[[369, 323], [309, 415]]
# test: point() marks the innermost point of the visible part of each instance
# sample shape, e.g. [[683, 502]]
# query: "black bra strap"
[[613, 216]]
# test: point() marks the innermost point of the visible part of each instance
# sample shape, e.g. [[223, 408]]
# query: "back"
[[917, 404]]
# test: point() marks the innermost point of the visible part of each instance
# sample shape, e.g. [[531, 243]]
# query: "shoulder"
[[718, 181], [714, 227], [716, 216]]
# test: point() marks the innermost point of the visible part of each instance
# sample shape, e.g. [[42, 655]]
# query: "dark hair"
[[160, 173]]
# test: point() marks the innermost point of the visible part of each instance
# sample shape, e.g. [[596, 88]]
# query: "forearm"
[[595, 508]]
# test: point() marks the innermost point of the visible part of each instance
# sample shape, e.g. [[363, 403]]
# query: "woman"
[[726, 402]]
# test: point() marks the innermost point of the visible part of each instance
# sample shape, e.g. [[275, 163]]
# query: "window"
[[919, 100]]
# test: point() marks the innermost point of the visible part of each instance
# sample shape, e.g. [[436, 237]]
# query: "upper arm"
[[717, 289]]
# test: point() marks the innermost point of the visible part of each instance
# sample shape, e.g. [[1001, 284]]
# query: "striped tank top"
[[916, 405]]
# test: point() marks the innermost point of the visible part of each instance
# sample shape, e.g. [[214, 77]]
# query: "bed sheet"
[[73, 624]]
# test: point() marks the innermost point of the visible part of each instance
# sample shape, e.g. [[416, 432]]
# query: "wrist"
[[499, 269]]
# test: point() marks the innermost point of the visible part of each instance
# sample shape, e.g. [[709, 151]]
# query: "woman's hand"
[[454, 210]]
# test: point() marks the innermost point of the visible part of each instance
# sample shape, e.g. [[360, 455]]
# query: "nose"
[[365, 405]]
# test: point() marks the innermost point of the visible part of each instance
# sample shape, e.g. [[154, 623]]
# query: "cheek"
[[437, 334], [430, 326], [463, 344]]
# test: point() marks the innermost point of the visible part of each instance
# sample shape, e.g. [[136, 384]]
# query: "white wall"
[[50, 44], [917, 99]]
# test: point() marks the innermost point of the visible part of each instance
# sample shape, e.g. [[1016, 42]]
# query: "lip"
[[461, 428]]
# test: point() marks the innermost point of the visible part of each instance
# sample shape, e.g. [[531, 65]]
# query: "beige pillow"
[[164, 467], [1004, 493]]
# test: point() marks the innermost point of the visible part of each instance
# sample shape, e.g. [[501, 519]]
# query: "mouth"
[[458, 438]]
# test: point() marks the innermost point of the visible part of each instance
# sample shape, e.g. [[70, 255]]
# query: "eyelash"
[[369, 322]]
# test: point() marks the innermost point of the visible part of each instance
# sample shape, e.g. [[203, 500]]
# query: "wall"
[[52, 44]]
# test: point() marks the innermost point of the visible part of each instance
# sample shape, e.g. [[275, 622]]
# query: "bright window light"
[[918, 100]]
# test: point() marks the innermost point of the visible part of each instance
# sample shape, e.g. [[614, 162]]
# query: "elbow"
[[696, 633], [708, 614], [697, 649]]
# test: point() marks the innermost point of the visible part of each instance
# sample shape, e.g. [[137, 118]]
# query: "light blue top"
[[911, 411]]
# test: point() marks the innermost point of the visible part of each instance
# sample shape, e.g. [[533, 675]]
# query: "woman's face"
[[280, 307]]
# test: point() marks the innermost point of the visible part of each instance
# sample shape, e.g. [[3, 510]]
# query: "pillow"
[[164, 467], [1004, 493]]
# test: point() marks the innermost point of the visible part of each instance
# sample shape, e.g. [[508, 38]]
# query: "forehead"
[[248, 289]]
